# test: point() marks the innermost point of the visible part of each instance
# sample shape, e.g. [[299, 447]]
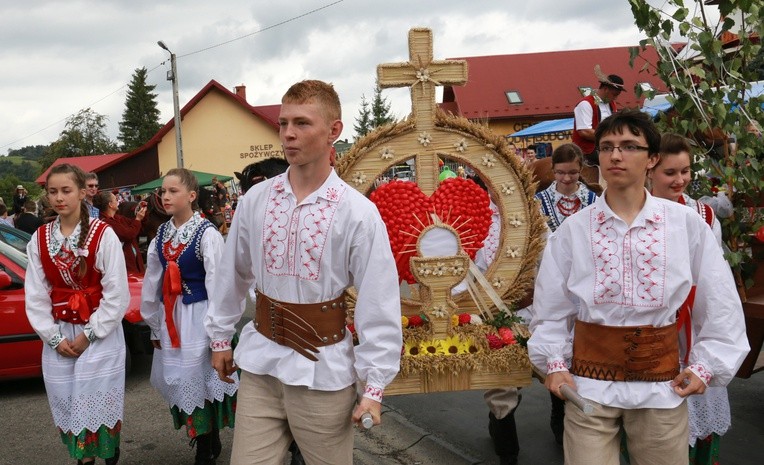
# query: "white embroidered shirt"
[[598, 269], [310, 253]]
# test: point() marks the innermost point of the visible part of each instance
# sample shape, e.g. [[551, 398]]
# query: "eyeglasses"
[[92, 185], [572, 174], [628, 148]]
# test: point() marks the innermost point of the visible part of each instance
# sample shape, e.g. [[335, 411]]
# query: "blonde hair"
[[318, 92]]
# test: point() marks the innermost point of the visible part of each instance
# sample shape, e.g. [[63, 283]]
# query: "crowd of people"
[[634, 305]]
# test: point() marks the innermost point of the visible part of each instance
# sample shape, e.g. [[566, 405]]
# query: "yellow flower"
[[469, 347], [411, 348], [404, 322], [430, 348], [451, 345], [454, 320]]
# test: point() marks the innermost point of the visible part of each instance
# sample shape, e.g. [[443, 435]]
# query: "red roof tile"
[[94, 163], [547, 82]]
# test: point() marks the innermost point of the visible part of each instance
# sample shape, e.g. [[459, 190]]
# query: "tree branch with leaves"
[[710, 92]]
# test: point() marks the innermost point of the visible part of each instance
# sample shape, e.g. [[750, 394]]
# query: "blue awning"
[[545, 127]]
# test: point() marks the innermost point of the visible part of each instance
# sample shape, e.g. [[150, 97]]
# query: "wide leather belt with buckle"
[[625, 353], [302, 327]]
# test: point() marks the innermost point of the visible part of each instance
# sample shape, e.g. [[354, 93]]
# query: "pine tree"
[[363, 123], [380, 110], [140, 120]]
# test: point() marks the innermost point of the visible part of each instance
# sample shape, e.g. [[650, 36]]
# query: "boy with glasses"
[[610, 283]]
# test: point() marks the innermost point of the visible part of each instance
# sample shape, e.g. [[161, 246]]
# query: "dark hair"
[[672, 144], [3, 209], [91, 175], [567, 153], [615, 79], [79, 177], [101, 200], [638, 123], [318, 92], [30, 206], [532, 147]]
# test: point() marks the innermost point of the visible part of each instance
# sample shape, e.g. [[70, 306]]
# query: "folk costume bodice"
[[179, 253], [74, 298], [556, 206], [182, 246]]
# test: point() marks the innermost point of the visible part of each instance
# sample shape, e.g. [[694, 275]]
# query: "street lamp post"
[[172, 75]]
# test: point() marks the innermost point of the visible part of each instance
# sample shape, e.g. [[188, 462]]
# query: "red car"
[[20, 347]]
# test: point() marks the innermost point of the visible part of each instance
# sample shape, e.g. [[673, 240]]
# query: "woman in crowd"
[[127, 229]]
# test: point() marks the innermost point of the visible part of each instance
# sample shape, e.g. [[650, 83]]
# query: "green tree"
[[710, 92], [756, 66], [30, 152], [140, 120], [8, 185], [84, 134], [363, 124], [380, 110]]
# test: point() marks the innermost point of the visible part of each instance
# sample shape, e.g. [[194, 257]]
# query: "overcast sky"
[[59, 57]]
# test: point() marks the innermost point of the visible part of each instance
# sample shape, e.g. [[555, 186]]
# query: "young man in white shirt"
[[610, 283], [302, 239]]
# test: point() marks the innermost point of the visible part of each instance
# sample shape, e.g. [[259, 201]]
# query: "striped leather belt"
[[625, 353], [302, 327]]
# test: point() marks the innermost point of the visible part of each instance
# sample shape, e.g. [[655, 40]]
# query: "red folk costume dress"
[[709, 413], [174, 305], [86, 393]]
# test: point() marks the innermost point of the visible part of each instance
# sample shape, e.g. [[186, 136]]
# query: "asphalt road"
[[443, 429]]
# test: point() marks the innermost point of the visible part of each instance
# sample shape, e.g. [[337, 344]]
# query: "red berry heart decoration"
[[405, 209]]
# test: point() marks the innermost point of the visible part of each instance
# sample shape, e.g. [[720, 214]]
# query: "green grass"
[[17, 161]]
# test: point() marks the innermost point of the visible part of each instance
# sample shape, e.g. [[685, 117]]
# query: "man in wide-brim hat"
[[593, 109]]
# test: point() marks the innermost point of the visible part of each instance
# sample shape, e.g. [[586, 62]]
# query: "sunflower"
[[411, 348], [469, 347], [430, 348], [451, 346]]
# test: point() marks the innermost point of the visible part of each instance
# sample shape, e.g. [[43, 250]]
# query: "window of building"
[[513, 97]]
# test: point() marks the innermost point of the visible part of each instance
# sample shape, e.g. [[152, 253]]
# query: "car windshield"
[[17, 257], [14, 237]]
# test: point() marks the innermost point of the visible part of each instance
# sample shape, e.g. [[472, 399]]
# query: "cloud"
[[60, 57]]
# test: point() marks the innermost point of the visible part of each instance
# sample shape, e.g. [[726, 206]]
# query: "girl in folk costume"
[[566, 195], [709, 413], [76, 295], [181, 264]]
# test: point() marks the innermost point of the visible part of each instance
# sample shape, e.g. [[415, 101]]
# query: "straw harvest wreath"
[[447, 333]]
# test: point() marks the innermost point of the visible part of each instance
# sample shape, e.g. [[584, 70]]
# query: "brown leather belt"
[[625, 353], [302, 327]]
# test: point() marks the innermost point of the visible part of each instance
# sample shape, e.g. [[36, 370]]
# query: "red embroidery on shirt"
[[294, 238], [632, 273]]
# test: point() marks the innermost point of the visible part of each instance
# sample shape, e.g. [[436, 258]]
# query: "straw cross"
[[422, 74]]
